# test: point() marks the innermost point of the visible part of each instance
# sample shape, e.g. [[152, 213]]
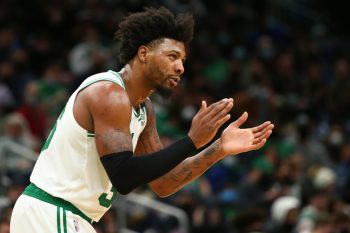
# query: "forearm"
[[187, 171], [127, 171]]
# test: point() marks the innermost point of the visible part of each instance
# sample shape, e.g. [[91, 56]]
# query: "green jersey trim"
[[58, 219], [33, 191], [140, 112], [118, 76], [98, 80], [64, 221]]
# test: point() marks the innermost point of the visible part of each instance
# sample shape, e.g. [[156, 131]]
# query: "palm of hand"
[[235, 140]]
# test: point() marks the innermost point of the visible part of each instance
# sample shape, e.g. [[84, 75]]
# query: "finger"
[[203, 106], [260, 127], [213, 117], [259, 145], [263, 131], [223, 101], [241, 120], [202, 109], [222, 121], [219, 111], [263, 137]]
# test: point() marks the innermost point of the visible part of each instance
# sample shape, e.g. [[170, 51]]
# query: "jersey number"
[[104, 201]]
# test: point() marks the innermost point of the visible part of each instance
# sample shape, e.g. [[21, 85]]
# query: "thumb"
[[203, 106], [241, 120]]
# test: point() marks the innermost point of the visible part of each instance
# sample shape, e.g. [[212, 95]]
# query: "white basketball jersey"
[[69, 166]]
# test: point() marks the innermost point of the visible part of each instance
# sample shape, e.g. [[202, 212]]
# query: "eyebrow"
[[177, 52]]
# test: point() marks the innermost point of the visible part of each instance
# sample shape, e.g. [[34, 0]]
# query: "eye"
[[172, 57]]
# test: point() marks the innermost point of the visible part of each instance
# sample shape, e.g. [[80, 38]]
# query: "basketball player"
[[105, 140]]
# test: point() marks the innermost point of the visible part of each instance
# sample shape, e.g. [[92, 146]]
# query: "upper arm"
[[149, 140], [110, 109]]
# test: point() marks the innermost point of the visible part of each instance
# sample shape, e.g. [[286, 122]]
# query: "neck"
[[137, 86]]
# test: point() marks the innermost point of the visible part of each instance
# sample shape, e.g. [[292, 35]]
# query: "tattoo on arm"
[[115, 141], [194, 166], [149, 140], [211, 150]]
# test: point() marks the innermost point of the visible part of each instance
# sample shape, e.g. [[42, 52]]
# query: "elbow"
[[126, 190], [161, 192]]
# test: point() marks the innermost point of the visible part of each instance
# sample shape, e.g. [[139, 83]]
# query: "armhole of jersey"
[[85, 85]]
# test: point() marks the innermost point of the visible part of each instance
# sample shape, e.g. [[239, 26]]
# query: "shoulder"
[[106, 91], [106, 96]]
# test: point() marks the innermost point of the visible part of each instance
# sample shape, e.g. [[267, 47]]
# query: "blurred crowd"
[[283, 61]]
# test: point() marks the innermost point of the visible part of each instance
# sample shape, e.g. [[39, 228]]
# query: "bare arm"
[[104, 108], [110, 110], [187, 171]]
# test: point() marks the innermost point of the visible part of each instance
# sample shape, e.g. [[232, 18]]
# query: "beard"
[[164, 92]]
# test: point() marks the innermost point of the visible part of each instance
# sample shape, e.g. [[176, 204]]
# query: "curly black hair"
[[144, 27]]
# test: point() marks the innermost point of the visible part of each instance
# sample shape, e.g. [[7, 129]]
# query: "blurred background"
[[286, 61]]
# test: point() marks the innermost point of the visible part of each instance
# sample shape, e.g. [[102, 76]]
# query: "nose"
[[179, 68]]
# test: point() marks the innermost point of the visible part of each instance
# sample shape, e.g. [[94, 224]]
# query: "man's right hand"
[[235, 140], [208, 120]]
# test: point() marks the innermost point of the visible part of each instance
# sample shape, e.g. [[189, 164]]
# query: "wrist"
[[190, 142], [190, 137], [217, 145]]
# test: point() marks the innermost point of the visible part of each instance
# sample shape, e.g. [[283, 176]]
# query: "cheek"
[[154, 72], [164, 65], [160, 70]]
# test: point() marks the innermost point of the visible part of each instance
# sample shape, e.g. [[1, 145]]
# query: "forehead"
[[168, 45]]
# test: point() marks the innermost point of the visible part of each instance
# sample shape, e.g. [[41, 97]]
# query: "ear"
[[142, 53]]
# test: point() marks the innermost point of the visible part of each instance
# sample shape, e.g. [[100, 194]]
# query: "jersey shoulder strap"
[[105, 76]]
